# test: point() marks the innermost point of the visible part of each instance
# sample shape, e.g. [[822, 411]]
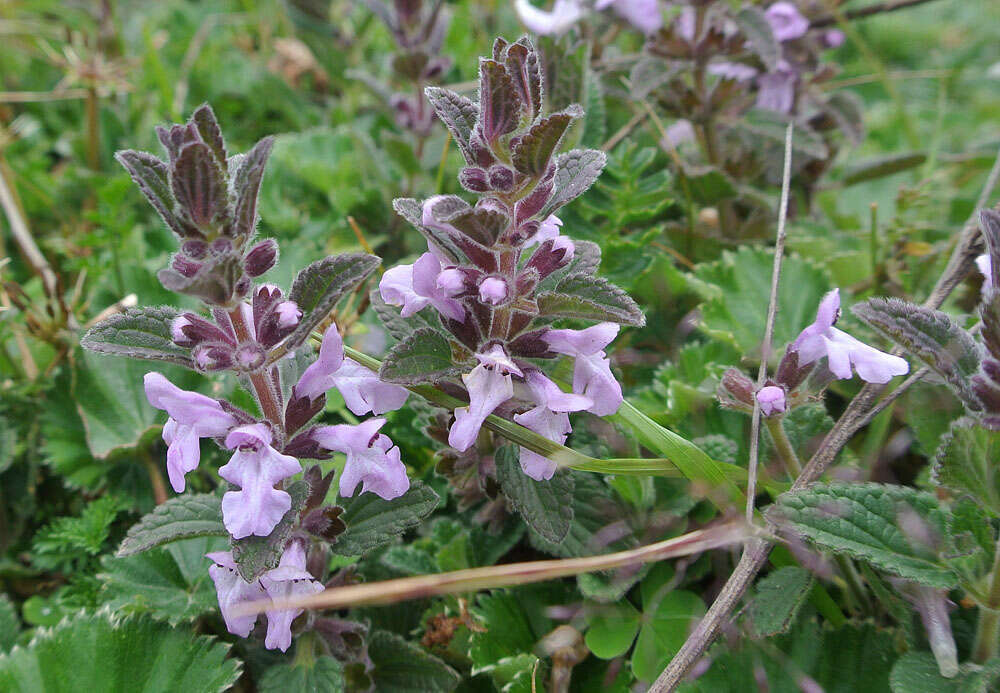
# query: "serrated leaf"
[[547, 506], [895, 528], [199, 185], [318, 287], [757, 29], [511, 628], [459, 115], [917, 672], [171, 584], [499, 104], [151, 176], [402, 667], [214, 282], [183, 517], [246, 184], [779, 597], [412, 211], [576, 171], [208, 128], [612, 628], [423, 357], [95, 652], [736, 290], [398, 326], [255, 555], [966, 463], [667, 622], [139, 333], [321, 675], [931, 336], [531, 153], [372, 521], [590, 298]]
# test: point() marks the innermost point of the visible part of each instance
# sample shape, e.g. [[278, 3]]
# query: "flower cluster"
[[209, 200], [844, 355], [497, 273], [644, 15]]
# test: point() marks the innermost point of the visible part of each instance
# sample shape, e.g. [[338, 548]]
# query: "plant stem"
[[863, 12], [786, 451], [853, 581], [988, 629], [155, 477], [261, 380]]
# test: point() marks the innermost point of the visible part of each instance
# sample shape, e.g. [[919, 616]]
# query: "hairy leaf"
[[499, 104], [757, 29], [547, 506], [966, 463], [183, 517], [321, 675], [199, 186], [96, 652], [318, 287], [402, 667], [424, 356], [139, 333], [412, 211], [398, 326], [151, 176], [895, 528], [246, 184], [591, 298], [459, 115], [372, 521], [917, 672], [532, 151], [779, 597], [576, 171], [931, 336], [255, 555]]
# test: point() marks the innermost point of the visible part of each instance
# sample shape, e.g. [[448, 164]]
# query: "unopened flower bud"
[[195, 249], [790, 373], [493, 290], [261, 258], [501, 178], [772, 400], [221, 246], [177, 331], [474, 179], [451, 281], [212, 357], [735, 389], [185, 265], [288, 314], [242, 287]]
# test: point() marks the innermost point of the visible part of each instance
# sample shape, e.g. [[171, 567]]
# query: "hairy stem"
[[261, 380], [988, 629]]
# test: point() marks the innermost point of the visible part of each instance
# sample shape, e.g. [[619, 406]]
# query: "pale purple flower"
[[772, 399], [290, 579], [686, 22], [451, 281], [786, 21], [177, 328], [734, 71], [288, 314], [833, 38], [255, 467], [548, 230], [592, 369], [563, 15], [361, 388], [776, 90], [372, 460], [232, 592], [415, 286], [493, 290], [192, 416], [842, 350], [549, 395], [985, 267], [489, 385], [552, 425], [644, 15], [681, 131]]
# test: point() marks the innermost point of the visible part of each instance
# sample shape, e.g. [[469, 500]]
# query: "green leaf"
[[779, 597], [183, 517], [611, 629], [709, 185], [171, 584], [402, 667], [318, 287], [931, 336], [917, 672], [667, 622], [590, 298], [966, 463], [531, 154], [895, 528], [757, 29], [255, 555], [458, 113], [881, 167], [398, 326], [139, 333], [576, 171], [10, 624], [736, 290], [67, 538], [372, 521], [547, 506], [95, 652], [322, 675], [509, 628], [423, 357], [768, 127]]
